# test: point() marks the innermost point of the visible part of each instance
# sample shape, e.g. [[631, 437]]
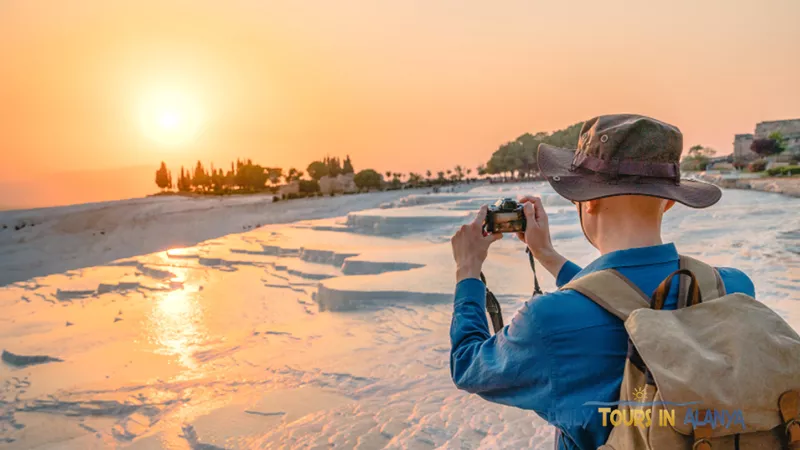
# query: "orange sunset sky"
[[98, 87]]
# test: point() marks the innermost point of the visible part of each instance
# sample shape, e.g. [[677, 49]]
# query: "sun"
[[640, 394], [169, 120], [170, 117]]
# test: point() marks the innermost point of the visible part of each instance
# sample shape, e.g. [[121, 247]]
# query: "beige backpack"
[[720, 372]]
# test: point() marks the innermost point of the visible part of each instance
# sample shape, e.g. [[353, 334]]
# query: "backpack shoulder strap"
[[708, 279], [612, 291]]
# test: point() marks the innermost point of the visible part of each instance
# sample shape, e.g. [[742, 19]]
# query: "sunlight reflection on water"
[[177, 326]]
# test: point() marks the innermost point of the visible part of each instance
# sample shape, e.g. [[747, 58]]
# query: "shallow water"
[[316, 334]]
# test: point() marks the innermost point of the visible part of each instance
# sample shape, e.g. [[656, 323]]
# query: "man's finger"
[[493, 237], [538, 207], [530, 212], [481, 216], [527, 199]]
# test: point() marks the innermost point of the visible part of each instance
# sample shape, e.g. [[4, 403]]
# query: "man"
[[561, 349]]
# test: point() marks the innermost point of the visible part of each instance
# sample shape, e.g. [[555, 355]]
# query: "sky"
[[97, 86]]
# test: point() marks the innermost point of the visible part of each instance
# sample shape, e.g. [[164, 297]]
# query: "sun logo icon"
[[639, 394]]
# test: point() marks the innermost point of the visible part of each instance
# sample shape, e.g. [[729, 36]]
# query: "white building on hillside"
[[789, 129]]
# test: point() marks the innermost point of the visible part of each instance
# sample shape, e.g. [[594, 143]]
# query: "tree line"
[[513, 159], [518, 158], [244, 176]]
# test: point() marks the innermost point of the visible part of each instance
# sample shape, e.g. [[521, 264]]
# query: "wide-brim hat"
[[624, 154]]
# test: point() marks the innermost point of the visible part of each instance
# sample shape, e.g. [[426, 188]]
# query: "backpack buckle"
[[791, 422]]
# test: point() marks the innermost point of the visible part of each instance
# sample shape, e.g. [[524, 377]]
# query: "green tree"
[[199, 180], [700, 151], [766, 147], [217, 180], [428, 174], [780, 141], [274, 174], [334, 166], [309, 186], [250, 177], [414, 179], [317, 170], [459, 172], [293, 175], [230, 178], [163, 177], [207, 181], [184, 182], [495, 164], [367, 179], [388, 174], [519, 157], [347, 165], [240, 174], [697, 158]]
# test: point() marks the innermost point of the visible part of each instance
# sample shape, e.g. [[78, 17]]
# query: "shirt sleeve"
[[736, 281], [511, 367], [567, 273]]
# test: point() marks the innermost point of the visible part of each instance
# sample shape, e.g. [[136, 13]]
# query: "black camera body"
[[505, 216]]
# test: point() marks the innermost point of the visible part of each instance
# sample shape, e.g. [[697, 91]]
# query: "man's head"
[[633, 217], [624, 175], [624, 154]]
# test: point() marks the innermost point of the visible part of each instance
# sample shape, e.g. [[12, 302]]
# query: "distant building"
[[789, 129], [289, 188], [338, 184], [741, 147], [764, 129]]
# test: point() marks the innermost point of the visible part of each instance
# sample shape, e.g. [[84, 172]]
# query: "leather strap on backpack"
[[708, 280], [789, 405], [619, 296], [612, 291], [662, 291], [702, 434]]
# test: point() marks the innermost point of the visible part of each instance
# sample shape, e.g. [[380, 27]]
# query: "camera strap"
[[493, 308], [493, 305], [536, 289]]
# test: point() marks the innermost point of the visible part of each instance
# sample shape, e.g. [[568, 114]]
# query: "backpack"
[[720, 372]]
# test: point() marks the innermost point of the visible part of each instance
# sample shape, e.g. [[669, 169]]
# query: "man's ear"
[[670, 204], [592, 206]]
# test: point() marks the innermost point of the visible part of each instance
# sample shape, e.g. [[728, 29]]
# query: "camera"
[[505, 216]]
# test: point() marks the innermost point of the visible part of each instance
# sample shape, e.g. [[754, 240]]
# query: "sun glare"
[[169, 120], [170, 117]]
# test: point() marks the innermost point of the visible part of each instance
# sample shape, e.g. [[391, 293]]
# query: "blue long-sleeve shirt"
[[560, 350]]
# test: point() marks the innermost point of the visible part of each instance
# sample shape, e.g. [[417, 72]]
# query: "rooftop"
[[778, 121]]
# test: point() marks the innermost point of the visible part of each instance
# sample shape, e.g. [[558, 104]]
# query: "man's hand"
[[537, 235], [470, 247]]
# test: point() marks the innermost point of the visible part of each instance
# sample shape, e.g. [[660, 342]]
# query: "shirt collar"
[[640, 256]]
